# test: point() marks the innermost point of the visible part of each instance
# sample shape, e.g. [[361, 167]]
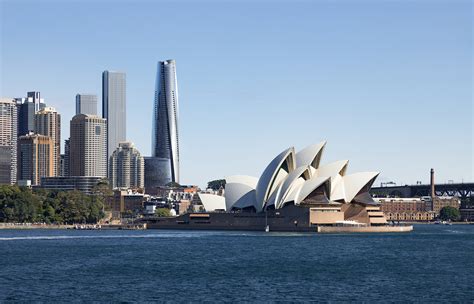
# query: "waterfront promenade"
[[33, 226], [28, 226]]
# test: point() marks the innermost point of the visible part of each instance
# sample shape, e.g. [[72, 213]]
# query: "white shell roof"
[[212, 202], [332, 169], [239, 195], [310, 156], [272, 176], [290, 183], [354, 183], [250, 181], [308, 187]]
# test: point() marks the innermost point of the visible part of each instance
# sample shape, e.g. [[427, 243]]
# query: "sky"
[[388, 84]]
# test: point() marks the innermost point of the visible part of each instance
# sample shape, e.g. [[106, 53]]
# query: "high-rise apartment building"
[[48, 123], [114, 108], [126, 167], [8, 141], [165, 139], [86, 104], [88, 151], [35, 157]]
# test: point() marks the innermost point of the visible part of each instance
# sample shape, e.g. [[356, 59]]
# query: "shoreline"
[[26, 226], [30, 226]]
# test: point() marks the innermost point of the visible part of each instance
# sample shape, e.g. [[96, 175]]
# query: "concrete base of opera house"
[[371, 229], [287, 219]]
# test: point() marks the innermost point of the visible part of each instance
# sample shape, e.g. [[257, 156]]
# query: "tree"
[[449, 213], [102, 190], [216, 184], [24, 205], [162, 212]]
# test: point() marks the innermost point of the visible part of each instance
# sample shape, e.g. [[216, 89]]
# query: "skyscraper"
[[114, 108], [26, 116], [8, 141], [48, 123], [126, 167], [27, 107], [165, 139], [35, 157], [86, 104], [67, 158], [35, 97], [88, 151]]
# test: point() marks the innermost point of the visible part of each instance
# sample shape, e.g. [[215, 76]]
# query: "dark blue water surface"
[[433, 263]]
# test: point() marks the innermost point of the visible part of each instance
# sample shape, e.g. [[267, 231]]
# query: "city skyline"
[[391, 77]]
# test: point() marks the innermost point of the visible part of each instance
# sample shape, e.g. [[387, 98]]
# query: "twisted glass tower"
[[165, 139]]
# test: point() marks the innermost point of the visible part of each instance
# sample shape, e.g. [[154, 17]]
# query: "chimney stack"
[[432, 183]]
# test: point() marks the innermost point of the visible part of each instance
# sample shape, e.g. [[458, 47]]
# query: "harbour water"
[[432, 263]]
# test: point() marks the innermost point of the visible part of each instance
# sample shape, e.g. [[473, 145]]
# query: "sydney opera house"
[[296, 191]]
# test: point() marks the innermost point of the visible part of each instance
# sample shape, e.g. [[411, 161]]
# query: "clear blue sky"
[[387, 83]]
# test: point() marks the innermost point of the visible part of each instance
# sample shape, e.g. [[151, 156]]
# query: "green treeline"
[[20, 205]]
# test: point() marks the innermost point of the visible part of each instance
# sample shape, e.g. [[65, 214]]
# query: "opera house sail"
[[165, 139]]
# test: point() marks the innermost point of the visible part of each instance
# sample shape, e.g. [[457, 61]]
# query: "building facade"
[[48, 123], [123, 201], [114, 108], [84, 184], [35, 157], [127, 167], [156, 174], [467, 214], [415, 209], [440, 202], [67, 158], [8, 141], [86, 104], [165, 137], [88, 151]]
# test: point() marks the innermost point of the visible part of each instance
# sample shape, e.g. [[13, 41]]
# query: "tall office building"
[[114, 108], [35, 97], [165, 139], [35, 157], [26, 116], [48, 123], [86, 104], [8, 141], [87, 146], [62, 165], [67, 158], [127, 167], [27, 107], [157, 173]]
